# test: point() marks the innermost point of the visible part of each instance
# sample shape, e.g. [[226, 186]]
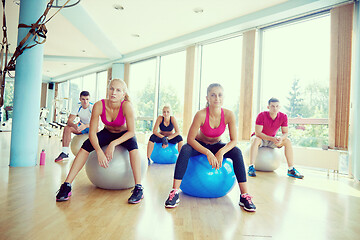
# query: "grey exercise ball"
[[118, 175], [268, 159], [77, 141]]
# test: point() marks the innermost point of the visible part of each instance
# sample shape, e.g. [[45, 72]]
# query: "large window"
[[75, 89], [295, 69], [89, 84], [8, 100], [142, 92], [62, 102], [101, 85], [172, 84], [221, 63]]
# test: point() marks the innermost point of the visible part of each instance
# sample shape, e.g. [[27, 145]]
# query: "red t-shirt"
[[270, 126]]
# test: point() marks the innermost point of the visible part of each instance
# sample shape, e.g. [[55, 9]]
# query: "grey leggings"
[[234, 154]]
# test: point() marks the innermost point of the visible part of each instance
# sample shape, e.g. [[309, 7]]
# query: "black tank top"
[[166, 128]]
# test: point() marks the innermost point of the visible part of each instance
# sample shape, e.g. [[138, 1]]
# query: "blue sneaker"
[[252, 171], [294, 173]]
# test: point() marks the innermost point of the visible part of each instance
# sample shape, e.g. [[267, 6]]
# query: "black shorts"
[[156, 139], [105, 137]]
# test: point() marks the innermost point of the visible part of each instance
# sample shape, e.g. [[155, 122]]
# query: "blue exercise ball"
[[166, 155], [201, 180]]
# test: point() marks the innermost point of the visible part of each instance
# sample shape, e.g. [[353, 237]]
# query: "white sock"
[[291, 167], [65, 150], [176, 190]]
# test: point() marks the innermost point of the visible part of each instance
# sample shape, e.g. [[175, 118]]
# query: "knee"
[[186, 148], [236, 151], [185, 152], [67, 129], [256, 141], [287, 142]]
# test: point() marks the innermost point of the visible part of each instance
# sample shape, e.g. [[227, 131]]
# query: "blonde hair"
[[166, 106], [125, 89], [211, 86]]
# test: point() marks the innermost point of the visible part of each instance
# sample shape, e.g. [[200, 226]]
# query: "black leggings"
[[175, 140], [187, 151], [105, 137]]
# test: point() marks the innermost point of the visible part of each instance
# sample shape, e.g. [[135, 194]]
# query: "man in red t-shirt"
[[266, 126]]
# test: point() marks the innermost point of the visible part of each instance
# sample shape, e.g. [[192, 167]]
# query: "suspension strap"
[[36, 32], [4, 44]]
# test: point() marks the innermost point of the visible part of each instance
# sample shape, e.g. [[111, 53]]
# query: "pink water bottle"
[[42, 157]]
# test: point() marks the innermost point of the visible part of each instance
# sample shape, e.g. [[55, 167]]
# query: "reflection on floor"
[[317, 207]]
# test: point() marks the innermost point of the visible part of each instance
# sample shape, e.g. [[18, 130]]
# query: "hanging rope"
[[37, 33], [4, 45]]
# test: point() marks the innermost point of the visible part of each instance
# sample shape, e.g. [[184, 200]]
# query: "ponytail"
[[127, 97]]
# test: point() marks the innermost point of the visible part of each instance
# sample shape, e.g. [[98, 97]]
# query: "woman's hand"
[[103, 162], [220, 157], [165, 142], [212, 160], [109, 151]]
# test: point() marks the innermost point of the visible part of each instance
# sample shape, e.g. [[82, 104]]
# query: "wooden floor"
[[318, 207]]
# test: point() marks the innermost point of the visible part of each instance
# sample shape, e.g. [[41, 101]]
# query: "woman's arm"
[[130, 124], [199, 119], [231, 122], [156, 127], [176, 128], [94, 124]]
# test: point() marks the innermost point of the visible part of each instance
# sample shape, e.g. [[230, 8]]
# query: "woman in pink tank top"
[[204, 137], [117, 114]]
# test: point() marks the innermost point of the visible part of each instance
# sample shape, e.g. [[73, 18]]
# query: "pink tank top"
[[120, 118], [213, 132]]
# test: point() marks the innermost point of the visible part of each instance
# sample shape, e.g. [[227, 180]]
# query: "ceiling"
[[95, 33]]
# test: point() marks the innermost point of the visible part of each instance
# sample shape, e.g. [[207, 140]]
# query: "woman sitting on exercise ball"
[[169, 132], [117, 114], [204, 137]]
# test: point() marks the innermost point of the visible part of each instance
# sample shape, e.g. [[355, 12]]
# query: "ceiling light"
[[135, 35], [118, 7], [198, 10]]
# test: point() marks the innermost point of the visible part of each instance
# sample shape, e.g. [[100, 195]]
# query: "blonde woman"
[[117, 114], [169, 132]]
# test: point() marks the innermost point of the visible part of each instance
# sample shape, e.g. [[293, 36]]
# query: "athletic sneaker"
[[137, 194], [173, 199], [246, 202], [64, 192], [294, 173], [252, 171], [61, 156]]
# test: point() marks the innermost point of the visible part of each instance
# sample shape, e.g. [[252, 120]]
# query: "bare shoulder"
[[97, 106], [127, 105], [228, 114], [200, 115]]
